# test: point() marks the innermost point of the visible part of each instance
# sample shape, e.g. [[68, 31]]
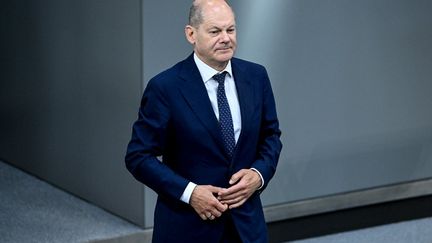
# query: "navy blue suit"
[[176, 121]]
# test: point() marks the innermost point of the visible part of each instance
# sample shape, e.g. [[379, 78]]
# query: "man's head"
[[212, 32]]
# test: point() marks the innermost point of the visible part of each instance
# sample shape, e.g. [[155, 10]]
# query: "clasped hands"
[[211, 201]]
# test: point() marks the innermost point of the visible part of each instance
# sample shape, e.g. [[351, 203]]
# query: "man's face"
[[214, 40]]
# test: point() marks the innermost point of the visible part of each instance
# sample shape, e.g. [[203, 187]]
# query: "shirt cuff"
[[262, 179], [188, 192]]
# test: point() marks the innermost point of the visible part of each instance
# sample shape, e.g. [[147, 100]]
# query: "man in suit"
[[207, 137]]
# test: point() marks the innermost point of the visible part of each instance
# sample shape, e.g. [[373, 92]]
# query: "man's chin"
[[225, 56]]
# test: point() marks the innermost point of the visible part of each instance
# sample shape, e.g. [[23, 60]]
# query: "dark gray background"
[[69, 90]]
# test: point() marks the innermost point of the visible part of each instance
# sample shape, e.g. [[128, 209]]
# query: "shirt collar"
[[208, 72]]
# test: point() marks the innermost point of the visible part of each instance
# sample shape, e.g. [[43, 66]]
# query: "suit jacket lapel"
[[195, 93], [245, 95]]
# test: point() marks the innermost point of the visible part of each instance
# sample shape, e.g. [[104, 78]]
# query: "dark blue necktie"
[[225, 119]]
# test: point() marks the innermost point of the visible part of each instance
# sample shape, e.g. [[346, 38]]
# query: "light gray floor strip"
[[32, 210]]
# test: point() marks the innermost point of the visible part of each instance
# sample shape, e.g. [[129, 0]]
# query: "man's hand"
[[205, 203], [244, 183]]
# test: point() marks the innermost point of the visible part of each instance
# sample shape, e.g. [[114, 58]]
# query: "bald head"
[[200, 7]]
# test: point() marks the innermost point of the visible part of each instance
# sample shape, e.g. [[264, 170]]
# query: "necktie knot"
[[220, 77]]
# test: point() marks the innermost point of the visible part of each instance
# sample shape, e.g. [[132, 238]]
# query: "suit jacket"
[[176, 121]]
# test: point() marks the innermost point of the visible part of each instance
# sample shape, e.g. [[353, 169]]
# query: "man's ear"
[[190, 34]]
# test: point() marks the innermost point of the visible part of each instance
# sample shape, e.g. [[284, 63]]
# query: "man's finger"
[[221, 207], [216, 213], [233, 198], [237, 176], [229, 196], [234, 189], [237, 204], [215, 189], [232, 201]]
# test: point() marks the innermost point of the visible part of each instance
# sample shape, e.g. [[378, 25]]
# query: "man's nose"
[[224, 37]]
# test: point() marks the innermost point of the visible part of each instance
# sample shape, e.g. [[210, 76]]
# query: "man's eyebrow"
[[219, 28]]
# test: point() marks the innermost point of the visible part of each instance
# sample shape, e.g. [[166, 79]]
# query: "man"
[[213, 121]]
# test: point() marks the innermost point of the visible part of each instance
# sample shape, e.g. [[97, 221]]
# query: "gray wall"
[[352, 80], [70, 85]]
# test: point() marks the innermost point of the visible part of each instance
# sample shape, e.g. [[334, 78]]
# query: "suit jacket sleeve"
[[269, 145], [147, 143]]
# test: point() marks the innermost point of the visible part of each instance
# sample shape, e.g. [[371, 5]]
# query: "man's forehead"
[[215, 19], [211, 24]]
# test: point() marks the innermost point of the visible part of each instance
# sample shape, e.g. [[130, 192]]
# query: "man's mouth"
[[223, 49]]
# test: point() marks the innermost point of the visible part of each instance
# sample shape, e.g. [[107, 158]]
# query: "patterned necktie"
[[225, 119]]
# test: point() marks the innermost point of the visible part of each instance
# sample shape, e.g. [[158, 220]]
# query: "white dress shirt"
[[211, 85]]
